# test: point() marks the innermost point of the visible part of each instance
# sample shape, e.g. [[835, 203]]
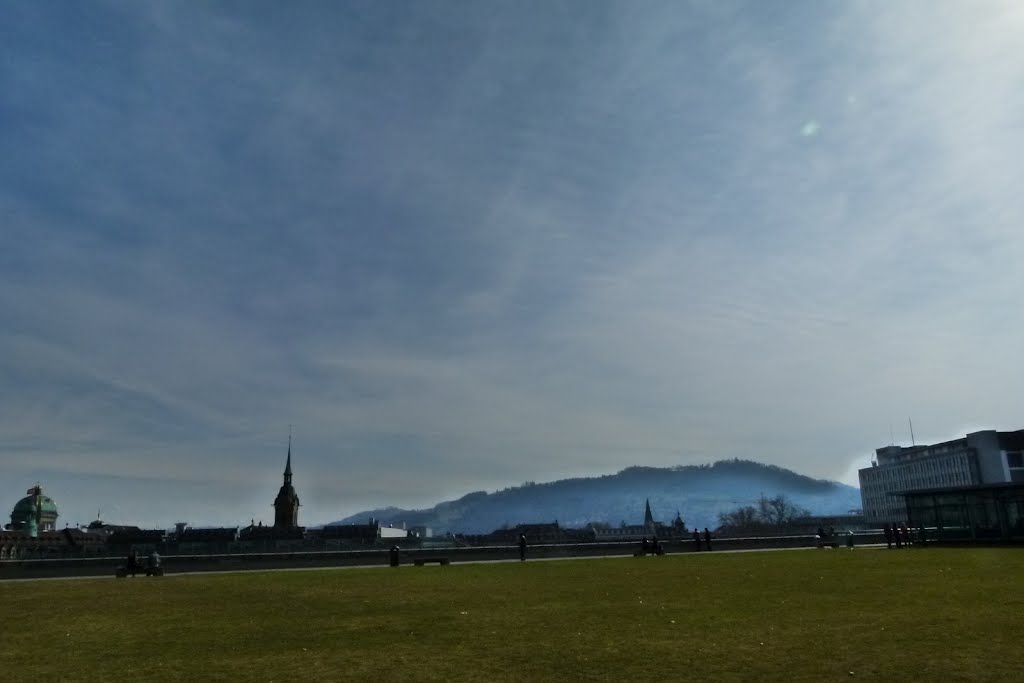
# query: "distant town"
[[965, 489]]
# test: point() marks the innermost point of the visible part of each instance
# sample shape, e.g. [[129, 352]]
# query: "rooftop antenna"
[[912, 443], [892, 439]]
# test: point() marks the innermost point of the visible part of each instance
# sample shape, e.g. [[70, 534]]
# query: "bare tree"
[[769, 515], [779, 511], [742, 518]]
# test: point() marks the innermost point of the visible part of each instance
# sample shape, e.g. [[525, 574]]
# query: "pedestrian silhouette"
[[696, 539], [132, 564], [522, 547], [707, 538]]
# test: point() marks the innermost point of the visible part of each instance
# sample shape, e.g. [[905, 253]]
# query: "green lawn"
[[917, 614]]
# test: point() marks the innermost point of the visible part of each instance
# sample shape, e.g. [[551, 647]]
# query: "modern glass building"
[[983, 512], [980, 458]]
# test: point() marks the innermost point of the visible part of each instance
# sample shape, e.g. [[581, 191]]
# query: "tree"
[[743, 517], [779, 511], [769, 515]]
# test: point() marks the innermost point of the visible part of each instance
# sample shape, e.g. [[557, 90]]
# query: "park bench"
[[420, 561], [122, 571]]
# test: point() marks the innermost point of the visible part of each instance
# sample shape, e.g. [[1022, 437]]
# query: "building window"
[[1014, 459]]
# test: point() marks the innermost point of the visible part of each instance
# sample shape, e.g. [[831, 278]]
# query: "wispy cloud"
[[462, 247]]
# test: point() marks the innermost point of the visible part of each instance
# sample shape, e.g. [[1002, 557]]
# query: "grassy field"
[[918, 614]]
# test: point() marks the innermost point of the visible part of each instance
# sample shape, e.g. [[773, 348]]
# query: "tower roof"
[[288, 462]]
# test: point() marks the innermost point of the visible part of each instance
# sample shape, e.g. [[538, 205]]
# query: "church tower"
[[286, 505], [648, 518]]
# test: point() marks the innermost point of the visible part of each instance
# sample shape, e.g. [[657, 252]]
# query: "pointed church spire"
[[286, 505], [648, 517], [288, 463]]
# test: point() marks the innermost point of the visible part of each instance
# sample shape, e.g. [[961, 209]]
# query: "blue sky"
[[464, 245]]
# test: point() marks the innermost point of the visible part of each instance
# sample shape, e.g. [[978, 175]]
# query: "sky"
[[457, 246]]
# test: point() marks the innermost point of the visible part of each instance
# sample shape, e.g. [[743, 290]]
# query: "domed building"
[[34, 513]]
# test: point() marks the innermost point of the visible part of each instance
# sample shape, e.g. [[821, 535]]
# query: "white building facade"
[[985, 457]]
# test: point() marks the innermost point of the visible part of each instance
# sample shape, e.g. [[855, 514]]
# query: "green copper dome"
[[24, 506], [26, 517]]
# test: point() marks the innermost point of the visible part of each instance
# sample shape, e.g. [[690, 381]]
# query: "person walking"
[[696, 539], [888, 536], [707, 538], [522, 547], [132, 564]]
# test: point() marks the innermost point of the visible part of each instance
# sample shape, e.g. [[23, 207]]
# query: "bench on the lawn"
[[122, 571]]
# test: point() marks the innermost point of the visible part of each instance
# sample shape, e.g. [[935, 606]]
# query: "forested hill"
[[698, 492]]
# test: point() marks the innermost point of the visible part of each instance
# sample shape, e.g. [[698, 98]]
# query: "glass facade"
[[925, 471], [974, 514]]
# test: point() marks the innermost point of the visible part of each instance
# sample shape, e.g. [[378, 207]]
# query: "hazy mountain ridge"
[[698, 492]]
